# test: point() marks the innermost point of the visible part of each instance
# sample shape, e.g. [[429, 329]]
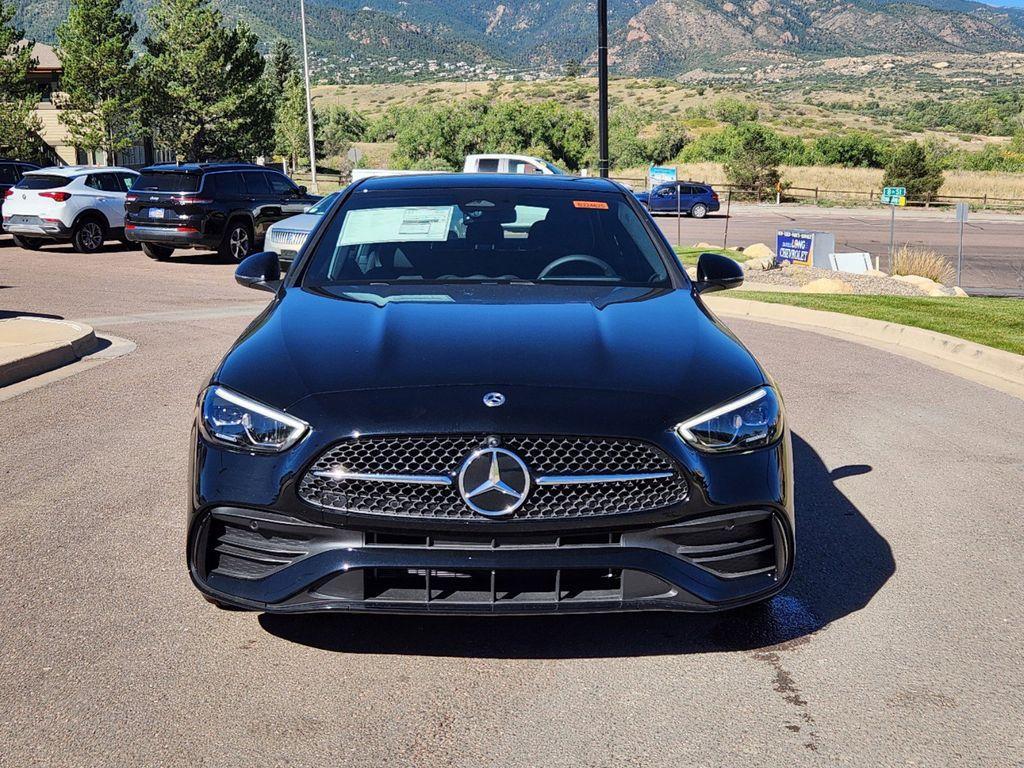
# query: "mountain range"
[[662, 37]]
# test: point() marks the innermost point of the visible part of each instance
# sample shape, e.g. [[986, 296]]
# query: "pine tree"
[[18, 122], [209, 99], [283, 64], [101, 97]]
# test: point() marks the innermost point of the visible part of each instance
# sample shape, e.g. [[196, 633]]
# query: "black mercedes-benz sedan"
[[489, 394]]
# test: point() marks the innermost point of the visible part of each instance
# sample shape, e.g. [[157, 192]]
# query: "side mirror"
[[261, 271], [716, 272]]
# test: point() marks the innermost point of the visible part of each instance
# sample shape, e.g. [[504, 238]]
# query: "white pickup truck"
[[497, 163]]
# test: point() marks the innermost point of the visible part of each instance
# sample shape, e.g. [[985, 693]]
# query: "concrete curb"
[[30, 346], [995, 368]]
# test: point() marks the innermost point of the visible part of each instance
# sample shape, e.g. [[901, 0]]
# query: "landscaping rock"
[[759, 264], [759, 251], [827, 285]]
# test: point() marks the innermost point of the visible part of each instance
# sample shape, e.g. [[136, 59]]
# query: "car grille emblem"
[[494, 482], [494, 399]]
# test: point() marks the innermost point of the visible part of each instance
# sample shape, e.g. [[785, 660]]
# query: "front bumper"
[[730, 544], [269, 562]]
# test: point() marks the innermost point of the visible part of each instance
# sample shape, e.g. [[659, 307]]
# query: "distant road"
[[993, 243]]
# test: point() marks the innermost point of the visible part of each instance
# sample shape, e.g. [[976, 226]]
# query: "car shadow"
[[841, 563], [7, 314], [201, 257]]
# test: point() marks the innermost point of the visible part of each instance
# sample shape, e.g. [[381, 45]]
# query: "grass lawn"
[[689, 256], [995, 322]]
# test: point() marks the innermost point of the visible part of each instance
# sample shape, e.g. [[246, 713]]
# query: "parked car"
[[226, 207], [11, 172], [494, 163], [287, 237], [689, 197], [504, 163], [438, 414], [80, 204]]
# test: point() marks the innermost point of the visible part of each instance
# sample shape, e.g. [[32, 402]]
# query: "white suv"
[[81, 204]]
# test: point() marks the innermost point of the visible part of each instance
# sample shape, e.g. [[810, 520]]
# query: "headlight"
[[753, 421], [230, 419]]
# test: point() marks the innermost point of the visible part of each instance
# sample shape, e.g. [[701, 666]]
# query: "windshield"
[[554, 168], [167, 182], [486, 235], [324, 204]]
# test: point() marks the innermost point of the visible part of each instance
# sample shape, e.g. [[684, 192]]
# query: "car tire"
[[28, 243], [699, 211], [88, 235], [158, 252], [238, 241]]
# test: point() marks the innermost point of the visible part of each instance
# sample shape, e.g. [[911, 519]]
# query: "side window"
[[224, 184], [256, 183], [279, 185], [127, 180], [7, 174], [104, 182], [487, 165]]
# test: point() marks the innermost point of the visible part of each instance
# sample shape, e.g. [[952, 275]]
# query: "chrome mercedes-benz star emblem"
[[494, 482], [494, 399]]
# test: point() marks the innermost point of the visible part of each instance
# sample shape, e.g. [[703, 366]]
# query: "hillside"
[[392, 39]]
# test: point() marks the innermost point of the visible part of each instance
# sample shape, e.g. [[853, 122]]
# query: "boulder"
[[876, 273], [923, 284], [959, 292], [759, 251], [827, 285], [759, 265]]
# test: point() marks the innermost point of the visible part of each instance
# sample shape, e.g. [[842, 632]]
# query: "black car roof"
[[488, 181], [203, 167]]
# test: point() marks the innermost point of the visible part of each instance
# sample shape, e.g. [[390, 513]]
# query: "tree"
[[283, 63], [101, 98], [291, 137], [912, 167], [339, 127], [18, 122], [753, 157], [573, 69], [209, 99]]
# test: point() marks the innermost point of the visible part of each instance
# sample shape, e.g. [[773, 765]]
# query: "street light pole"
[[309, 100], [602, 88]]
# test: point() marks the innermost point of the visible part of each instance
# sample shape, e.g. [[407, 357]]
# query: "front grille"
[[289, 236], [414, 477], [544, 586]]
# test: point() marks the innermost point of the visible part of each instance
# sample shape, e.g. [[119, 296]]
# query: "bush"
[[911, 166], [753, 158], [857, 149], [339, 126], [735, 111], [914, 260]]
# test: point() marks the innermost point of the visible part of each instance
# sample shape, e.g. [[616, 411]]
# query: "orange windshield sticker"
[[596, 205]]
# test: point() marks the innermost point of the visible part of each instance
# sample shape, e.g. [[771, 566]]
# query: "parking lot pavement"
[[898, 642], [993, 258]]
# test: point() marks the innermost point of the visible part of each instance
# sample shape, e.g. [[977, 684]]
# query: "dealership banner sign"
[[804, 248]]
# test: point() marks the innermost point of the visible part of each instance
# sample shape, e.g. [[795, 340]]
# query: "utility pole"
[[309, 99], [602, 88]]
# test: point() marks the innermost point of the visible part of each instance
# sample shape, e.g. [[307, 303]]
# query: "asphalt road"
[[899, 642], [993, 243]]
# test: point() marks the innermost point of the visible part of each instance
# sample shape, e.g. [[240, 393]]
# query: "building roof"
[[46, 58]]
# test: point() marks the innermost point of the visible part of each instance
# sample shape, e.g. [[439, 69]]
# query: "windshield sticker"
[[596, 205], [397, 225]]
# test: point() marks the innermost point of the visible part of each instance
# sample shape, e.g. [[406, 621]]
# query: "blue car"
[[690, 197]]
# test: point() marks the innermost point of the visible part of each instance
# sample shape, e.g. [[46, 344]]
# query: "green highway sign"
[[894, 196]]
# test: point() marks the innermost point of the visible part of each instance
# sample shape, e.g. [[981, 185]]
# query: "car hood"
[[620, 353], [304, 222]]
